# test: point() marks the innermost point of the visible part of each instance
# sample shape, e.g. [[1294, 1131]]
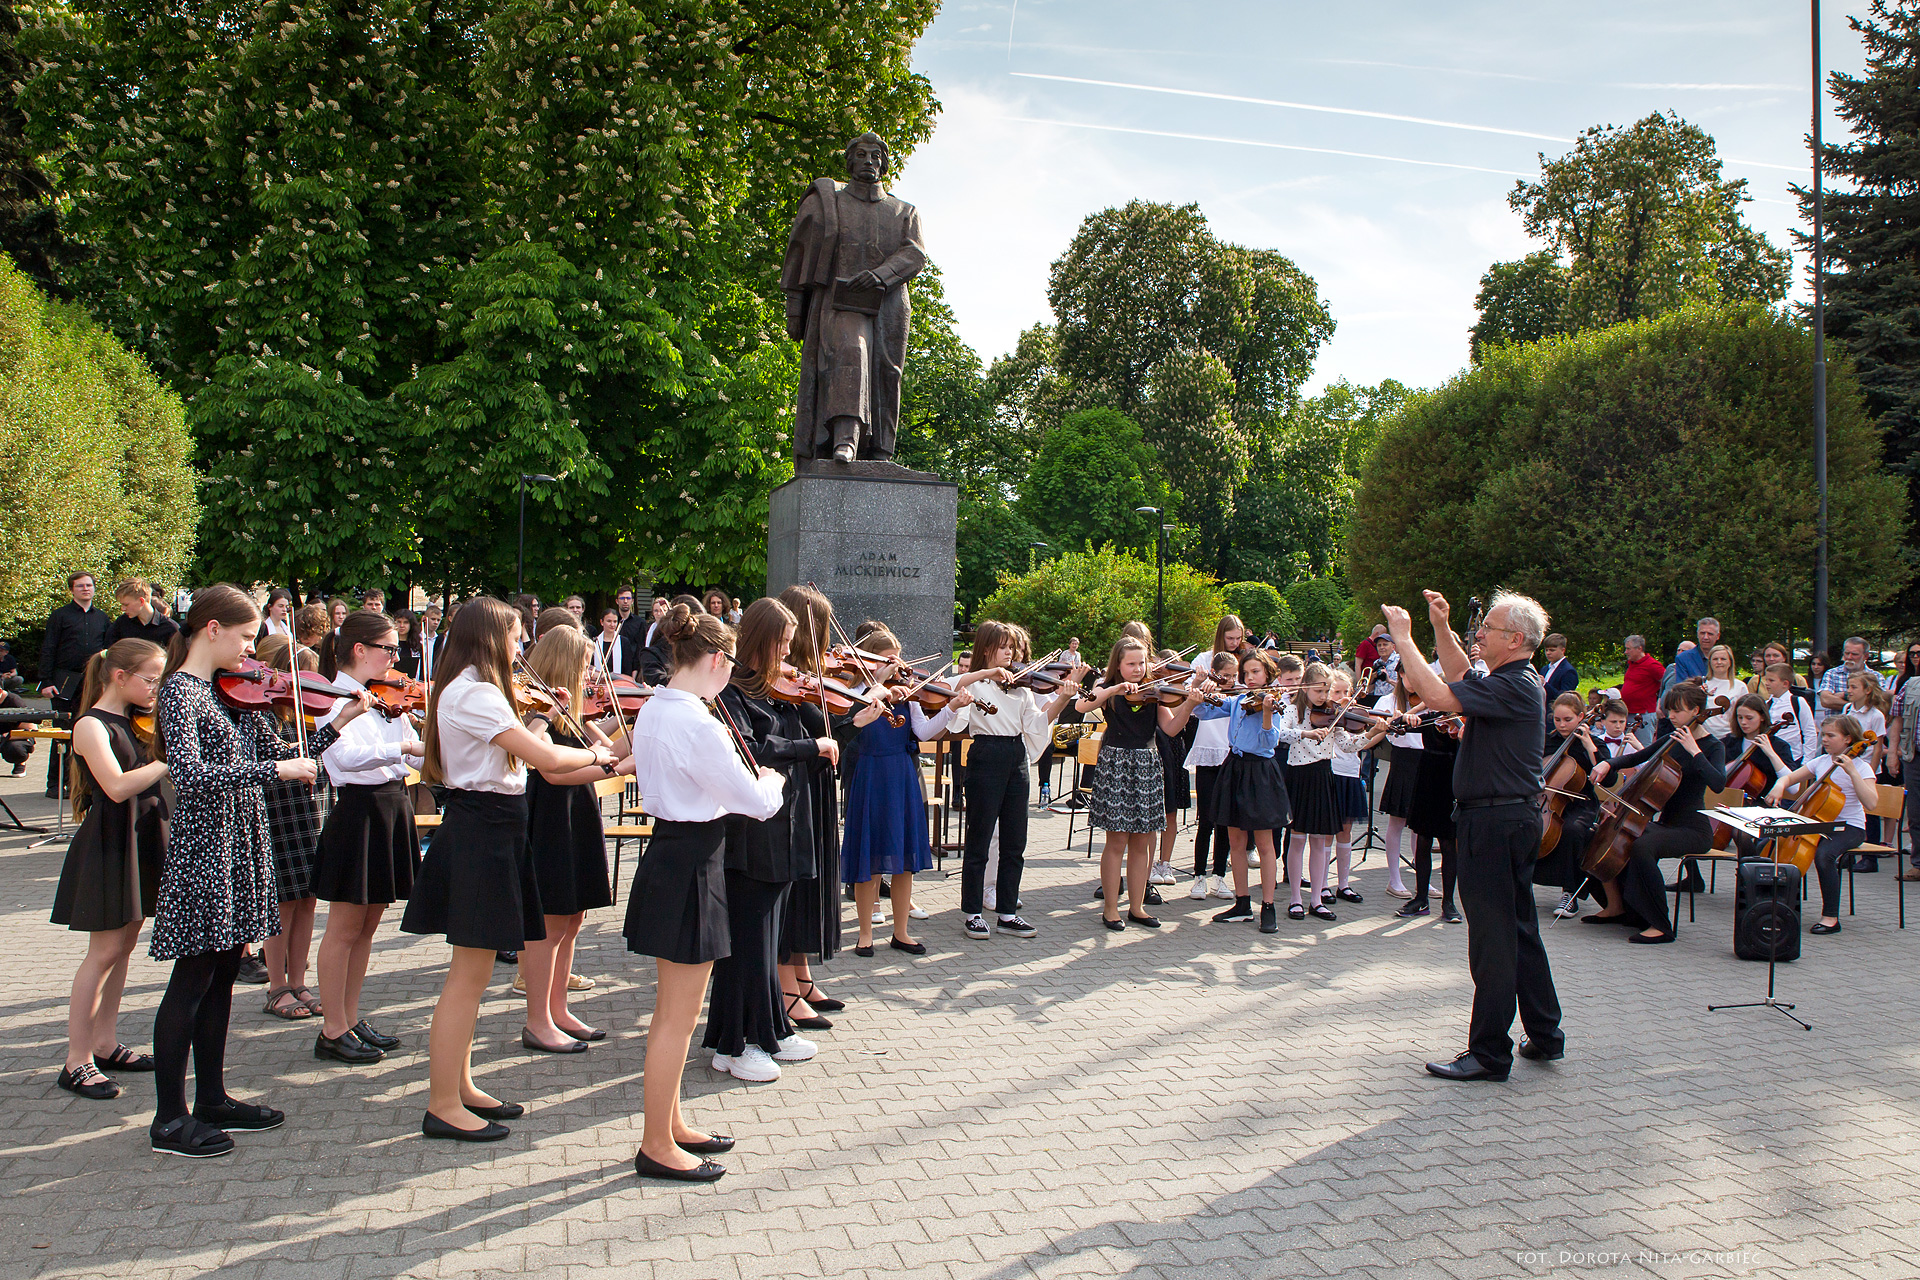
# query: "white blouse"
[[1302, 750], [689, 770], [368, 751], [1017, 713], [471, 714]]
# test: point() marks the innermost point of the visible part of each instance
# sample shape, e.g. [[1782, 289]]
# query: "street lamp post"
[[520, 559], [1819, 359], [1160, 571], [1032, 547]]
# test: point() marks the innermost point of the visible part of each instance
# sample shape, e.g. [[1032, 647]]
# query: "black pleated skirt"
[[476, 883], [1431, 813], [1251, 794], [1396, 800], [677, 907], [369, 850], [1176, 789], [568, 843], [1316, 803]]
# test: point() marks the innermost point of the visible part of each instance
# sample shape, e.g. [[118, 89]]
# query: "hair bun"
[[678, 624]]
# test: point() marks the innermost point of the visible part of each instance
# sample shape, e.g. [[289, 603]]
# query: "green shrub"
[[1261, 607], [96, 475], [1093, 594], [1318, 605]]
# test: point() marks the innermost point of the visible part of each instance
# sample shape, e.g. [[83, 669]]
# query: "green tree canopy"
[[29, 225], [1318, 605], [992, 541], [1093, 471], [1637, 221], [1872, 223], [1633, 479], [96, 473], [1092, 594], [1260, 607]]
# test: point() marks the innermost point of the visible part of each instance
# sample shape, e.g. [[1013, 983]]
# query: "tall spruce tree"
[[1872, 224]]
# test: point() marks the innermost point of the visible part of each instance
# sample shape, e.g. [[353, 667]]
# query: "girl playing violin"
[[1250, 795], [369, 850], [293, 820], [567, 842], [217, 889], [1206, 757], [1128, 800], [1317, 816], [112, 869], [1396, 798], [1350, 794], [886, 823], [1638, 895], [1842, 762], [476, 884], [1005, 742]]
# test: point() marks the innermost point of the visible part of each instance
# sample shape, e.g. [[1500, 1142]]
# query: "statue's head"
[[867, 158]]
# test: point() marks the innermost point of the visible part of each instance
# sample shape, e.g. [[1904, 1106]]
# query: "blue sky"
[[1321, 165]]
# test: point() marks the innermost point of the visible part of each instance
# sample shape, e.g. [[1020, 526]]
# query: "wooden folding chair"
[[622, 831], [421, 821], [1890, 806]]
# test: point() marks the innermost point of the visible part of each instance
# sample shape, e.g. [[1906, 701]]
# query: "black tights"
[[193, 1015], [1423, 868]]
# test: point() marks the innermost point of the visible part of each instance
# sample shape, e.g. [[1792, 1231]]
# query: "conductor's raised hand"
[[1399, 623], [1438, 610]]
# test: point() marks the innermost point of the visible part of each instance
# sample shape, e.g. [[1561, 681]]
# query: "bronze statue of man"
[[850, 253]]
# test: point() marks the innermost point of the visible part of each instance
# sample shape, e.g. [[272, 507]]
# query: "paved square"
[[1201, 1101]]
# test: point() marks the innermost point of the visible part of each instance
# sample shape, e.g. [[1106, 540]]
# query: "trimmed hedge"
[[1092, 594]]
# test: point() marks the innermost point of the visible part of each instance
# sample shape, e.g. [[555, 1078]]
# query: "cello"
[[1820, 801], [1625, 815], [1566, 779]]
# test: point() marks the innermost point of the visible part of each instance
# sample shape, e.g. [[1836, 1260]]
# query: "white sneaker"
[[1220, 888], [1199, 889], [753, 1065], [991, 900], [1162, 874], [793, 1049], [1399, 891], [1433, 891], [915, 913], [879, 916], [1568, 908]]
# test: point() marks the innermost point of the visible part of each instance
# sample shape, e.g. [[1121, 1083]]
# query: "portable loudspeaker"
[[1766, 911]]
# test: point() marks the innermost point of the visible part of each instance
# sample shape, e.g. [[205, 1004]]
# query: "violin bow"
[[606, 678], [739, 739], [567, 717], [873, 682]]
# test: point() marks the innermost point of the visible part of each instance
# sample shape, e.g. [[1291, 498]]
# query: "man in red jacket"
[[1640, 686]]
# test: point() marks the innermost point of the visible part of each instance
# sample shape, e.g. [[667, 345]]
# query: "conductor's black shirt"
[[1505, 734]]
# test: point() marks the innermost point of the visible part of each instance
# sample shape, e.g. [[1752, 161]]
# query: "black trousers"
[[997, 792], [1205, 777], [1423, 867], [747, 1006], [1498, 847], [1641, 885], [1826, 864]]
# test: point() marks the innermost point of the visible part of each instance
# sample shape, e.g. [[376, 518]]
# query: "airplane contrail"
[[1277, 146]]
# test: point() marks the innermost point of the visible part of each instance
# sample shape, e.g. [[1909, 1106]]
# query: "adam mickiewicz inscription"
[[877, 564]]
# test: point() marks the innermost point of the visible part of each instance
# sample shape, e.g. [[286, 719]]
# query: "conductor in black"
[[1497, 789]]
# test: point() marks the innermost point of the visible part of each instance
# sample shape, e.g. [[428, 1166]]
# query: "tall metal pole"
[[1160, 591], [520, 557], [1819, 357]]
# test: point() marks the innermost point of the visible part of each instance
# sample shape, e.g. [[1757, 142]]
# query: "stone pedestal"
[[877, 538]]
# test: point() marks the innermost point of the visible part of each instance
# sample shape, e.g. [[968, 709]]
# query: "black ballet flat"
[[911, 948], [1145, 922], [716, 1144], [569, 1046], [1622, 918], [1656, 938], [706, 1171], [825, 1004], [1821, 930], [1349, 895], [592, 1035], [1116, 924], [88, 1083], [505, 1111], [865, 953], [1321, 911], [124, 1059], [433, 1126]]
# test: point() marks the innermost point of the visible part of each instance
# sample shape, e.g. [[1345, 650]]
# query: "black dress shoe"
[[592, 1035], [1656, 938], [124, 1059], [505, 1111], [1534, 1050], [363, 1032], [865, 953], [1116, 924], [433, 1126], [911, 948], [647, 1167], [716, 1144], [825, 1004], [347, 1048], [1145, 922], [88, 1083], [231, 1115], [1622, 918], [1464, 1067], [569, 1045]]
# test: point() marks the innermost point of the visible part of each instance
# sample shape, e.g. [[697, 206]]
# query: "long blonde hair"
[[478, 638], [560, 658]]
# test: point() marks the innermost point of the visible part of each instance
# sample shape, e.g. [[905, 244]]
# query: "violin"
[[254, 686], [1348, 715], [934, 694], [397, 694], [1566, 780], [800, 689], [142, 722]]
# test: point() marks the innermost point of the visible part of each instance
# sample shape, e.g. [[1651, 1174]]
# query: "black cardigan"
[[782, 847]]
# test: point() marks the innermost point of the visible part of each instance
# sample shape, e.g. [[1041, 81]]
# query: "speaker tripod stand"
[[1771, 826]]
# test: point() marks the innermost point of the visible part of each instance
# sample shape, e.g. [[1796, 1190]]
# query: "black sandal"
[[822, 1003], [815, 1023], [123, 1059]]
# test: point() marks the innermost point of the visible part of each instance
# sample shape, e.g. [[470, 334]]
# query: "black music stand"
[[1770, 826]]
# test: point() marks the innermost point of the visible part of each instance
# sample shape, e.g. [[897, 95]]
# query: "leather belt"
[[1494, 802]]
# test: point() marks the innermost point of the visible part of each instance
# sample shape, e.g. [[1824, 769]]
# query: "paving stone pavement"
[[1202, 1101]]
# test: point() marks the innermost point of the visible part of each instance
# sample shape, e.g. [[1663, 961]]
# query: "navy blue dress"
[[886, 820]]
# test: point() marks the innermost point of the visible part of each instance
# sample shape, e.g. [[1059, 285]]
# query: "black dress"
[[568, 843], [111, 876], [1431, 813], [812, 925]]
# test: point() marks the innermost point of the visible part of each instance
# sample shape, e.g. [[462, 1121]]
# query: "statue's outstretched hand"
[[865, 280]]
